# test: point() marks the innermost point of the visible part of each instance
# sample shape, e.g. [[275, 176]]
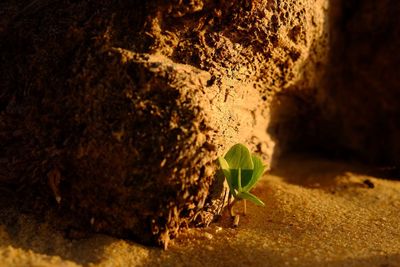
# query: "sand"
[[318, 213]]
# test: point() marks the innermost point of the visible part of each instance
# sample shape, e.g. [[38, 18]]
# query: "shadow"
[[298, 123], [51, 238], [351, 112], [314, 172], [46, 235]]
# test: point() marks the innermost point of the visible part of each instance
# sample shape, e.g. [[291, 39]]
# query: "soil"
[[318, 213]]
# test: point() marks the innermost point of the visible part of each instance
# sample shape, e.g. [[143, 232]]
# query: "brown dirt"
[[318, 213]]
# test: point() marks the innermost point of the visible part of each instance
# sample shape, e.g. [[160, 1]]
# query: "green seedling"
[[242, 171]]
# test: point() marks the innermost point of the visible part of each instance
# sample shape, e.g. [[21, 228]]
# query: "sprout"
[[242, 171]]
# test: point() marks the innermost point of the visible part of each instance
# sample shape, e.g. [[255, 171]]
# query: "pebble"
[[208, 236]]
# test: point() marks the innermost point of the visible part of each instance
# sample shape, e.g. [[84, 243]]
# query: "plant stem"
[[236, 220], [231, 211]]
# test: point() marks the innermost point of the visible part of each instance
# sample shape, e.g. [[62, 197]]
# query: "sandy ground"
[[318, 213]]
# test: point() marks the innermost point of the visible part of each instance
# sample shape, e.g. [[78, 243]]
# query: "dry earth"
[[318, 213]]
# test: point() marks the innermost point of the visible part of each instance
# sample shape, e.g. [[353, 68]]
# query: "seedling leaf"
[[240, 180], [239, 157], [242, 171], [257, 172], [227, 173], [249, 196]]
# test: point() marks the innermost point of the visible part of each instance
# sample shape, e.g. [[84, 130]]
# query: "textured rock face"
[[120, 109]]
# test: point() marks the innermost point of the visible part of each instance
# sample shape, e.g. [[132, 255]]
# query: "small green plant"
[[242, 171]]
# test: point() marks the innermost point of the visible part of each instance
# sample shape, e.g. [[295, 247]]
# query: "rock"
[[132, 102]]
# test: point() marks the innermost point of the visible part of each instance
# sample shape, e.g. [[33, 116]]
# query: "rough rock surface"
[[117, 109]]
